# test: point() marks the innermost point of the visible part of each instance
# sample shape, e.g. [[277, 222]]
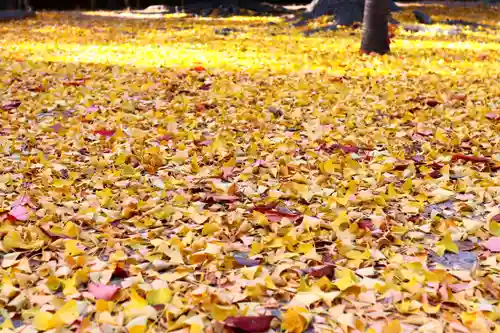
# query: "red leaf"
[[105, 132], [493, 244], [120, 273], [320, 271], [436, 166], [198, 69], [435, 174], [401, 166], [200, 107], [102, 291], [349, 149], [366, 224], [345, 148], [250, 323], [431, 102], [277, 214], [493, 116], [469, 158], [11, 105]]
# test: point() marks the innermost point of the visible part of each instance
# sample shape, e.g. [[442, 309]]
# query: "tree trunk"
[[376, 27]]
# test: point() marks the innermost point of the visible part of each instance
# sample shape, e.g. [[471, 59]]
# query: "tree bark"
[[376, 27]]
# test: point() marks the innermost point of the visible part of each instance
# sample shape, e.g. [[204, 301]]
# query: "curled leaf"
[[278, 213], [243, 260], [432, 102], [250, 323], [11, 105], [366, 224], [320, 271], [469, 158]]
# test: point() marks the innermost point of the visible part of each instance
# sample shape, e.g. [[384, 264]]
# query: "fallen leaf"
[[277, 214], [19, 213], [249, 323], [478, 159], [221, 198], [493, 116], [11, 105], [104, 292], [105, 132], [198, 69], [432, 102], [320, 271], [294, 320], [74, 83], [492, 244], [245, 261]]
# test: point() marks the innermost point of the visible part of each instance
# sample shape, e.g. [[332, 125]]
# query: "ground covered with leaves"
[[209, 175]]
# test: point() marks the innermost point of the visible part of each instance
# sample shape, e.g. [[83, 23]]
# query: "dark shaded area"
[[422, 17], [427, 20], [229, 7], [119, 4], [10, 15]]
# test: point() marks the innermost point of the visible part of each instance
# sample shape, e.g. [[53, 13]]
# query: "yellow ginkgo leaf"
[[446, 244], [159, 296], [44, 321], [295, 320], [72, 248], [394, 326], [67, 314], [345, 278]]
